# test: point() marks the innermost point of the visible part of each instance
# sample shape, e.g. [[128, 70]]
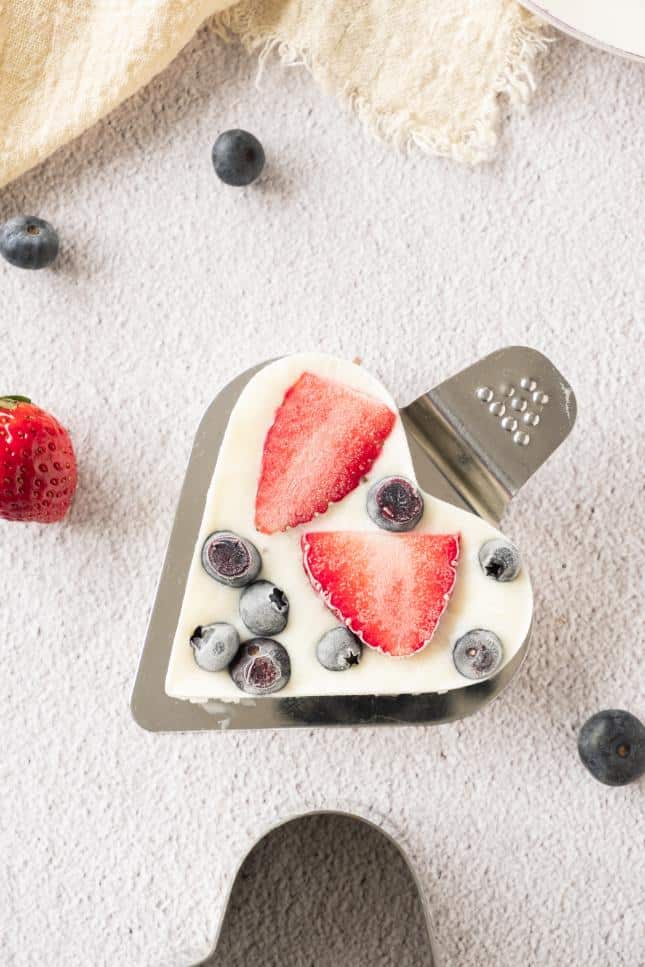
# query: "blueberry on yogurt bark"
[[264, 608], [339, 649], [215, 645], [231, 559], [500, 560], [478, 654], [395, 504], [261, 667]]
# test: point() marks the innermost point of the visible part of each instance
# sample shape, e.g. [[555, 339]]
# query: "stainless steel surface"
[[461, 454], [490, 427]]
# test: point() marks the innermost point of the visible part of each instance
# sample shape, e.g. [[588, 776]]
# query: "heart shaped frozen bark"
[[392, 621]]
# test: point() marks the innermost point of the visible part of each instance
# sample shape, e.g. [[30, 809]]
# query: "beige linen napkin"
[[429, 72]]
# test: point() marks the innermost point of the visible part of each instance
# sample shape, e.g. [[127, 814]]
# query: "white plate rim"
[[539, 10]]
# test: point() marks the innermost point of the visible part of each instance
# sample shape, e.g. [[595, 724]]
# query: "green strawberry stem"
[[12, 401]]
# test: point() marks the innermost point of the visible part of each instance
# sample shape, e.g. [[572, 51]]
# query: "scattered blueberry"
[[261, 667], [264, 609], [477, 654], [214, 646], [238, 158], [612, 747], [339, 649], [230, 559], [28, 242], [395, 504], [500, 560]]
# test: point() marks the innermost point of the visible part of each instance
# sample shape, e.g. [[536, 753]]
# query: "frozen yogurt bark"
[[322, 569]]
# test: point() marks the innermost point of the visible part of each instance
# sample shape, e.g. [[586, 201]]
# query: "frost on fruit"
[[389, 589], [323, 441]]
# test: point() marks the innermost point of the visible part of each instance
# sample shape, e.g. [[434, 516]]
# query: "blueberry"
[[238, 157], [261, 667], [477, 654], [339, 649], [612, 747], [500, 560], [395, 504], [231, 559], [214, 646], [28, 242], [264, 609]]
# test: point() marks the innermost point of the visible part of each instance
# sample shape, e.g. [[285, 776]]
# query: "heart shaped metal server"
[[334, 561]]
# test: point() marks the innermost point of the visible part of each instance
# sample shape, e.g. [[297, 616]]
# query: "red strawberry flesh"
[[324, 439], [390, 589], [37, 463]]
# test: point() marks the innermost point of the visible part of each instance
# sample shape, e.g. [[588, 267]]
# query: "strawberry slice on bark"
[[324, 438], [389, 589]]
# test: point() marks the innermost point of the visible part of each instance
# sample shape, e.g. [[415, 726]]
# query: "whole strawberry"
[[37, 463]]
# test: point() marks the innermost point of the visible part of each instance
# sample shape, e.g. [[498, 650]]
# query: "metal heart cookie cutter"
[[333, 852], [474, 439]]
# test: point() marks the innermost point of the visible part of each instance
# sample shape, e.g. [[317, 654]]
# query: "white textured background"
[[116, 845]]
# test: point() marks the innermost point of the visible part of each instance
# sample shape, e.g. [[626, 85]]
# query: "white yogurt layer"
[[477, 601]]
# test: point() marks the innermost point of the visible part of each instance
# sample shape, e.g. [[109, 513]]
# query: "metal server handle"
[[490, 427]]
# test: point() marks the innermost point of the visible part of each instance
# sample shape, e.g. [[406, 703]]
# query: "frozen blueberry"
[[28, 242], [500, 560], [339, 649], [612, 746], [238, 158], [264, 609], [261, 666], [395, 504], [477, 654], [214, 646], [231, 559]]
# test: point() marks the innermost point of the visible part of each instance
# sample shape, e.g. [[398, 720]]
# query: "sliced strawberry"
[[390, 589], [324, 438]]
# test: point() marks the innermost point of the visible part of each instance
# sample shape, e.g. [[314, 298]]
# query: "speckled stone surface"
[[119, 846]]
